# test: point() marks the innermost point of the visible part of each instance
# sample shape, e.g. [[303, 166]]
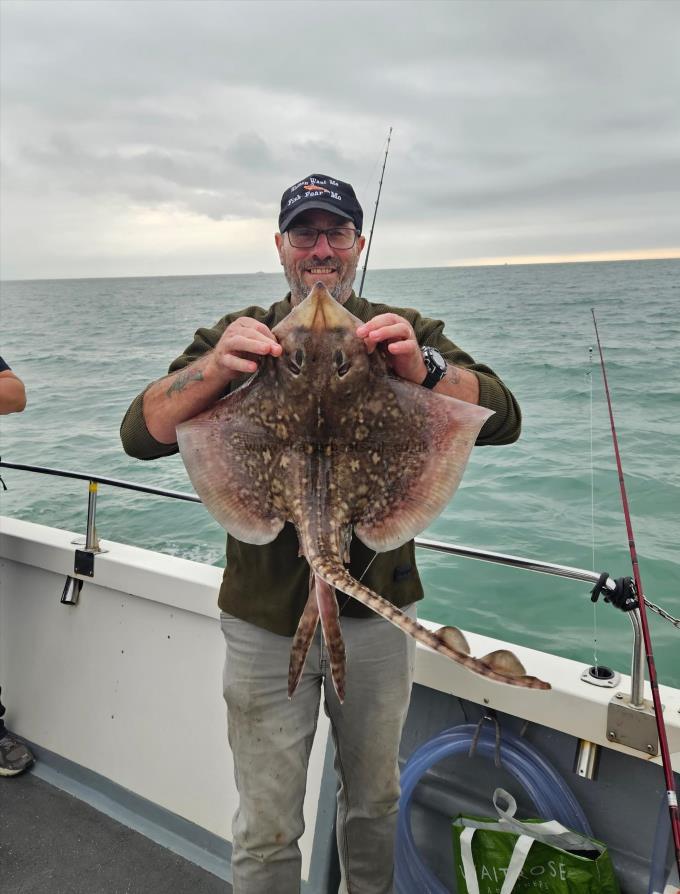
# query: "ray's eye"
[[342, 363], [295, 362]]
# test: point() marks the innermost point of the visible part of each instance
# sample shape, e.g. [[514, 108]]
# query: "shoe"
[[14, 756]]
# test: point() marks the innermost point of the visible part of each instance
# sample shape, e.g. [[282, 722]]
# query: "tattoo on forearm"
[[182, 379], [452, 375]]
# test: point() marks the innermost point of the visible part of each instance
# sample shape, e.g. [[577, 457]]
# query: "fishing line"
[[360, 578], [367, 567], [671, 794]]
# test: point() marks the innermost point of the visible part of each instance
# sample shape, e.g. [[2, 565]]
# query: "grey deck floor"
[[52, 843]]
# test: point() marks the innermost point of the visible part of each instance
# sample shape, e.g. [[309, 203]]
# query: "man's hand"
[[406, 357], [233, 353], [402, 346], [186, 393]]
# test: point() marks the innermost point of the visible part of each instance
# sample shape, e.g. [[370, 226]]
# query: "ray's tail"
[[332, 634], [303, 638], [492, 666], [321, 604]]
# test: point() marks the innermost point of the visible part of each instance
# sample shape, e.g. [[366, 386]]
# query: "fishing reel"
[[624, 596]]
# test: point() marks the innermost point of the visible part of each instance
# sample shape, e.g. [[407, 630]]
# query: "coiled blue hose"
[[545, 787]]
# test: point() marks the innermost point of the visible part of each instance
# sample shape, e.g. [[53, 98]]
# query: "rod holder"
[[637, 671], [91, 539], [601, 675], [84, 556], [587, 759], [71, 592]]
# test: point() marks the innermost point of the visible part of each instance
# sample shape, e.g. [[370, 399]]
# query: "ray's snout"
[[320, 311]]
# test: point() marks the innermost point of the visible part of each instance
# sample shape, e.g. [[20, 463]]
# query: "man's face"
[[334, 267]]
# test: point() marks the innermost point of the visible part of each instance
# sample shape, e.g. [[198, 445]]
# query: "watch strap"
[[433, 376]]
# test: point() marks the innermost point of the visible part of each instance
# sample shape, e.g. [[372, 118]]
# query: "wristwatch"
[[435, 366]]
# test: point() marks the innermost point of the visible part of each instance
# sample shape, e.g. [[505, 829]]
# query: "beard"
[[340, 291]]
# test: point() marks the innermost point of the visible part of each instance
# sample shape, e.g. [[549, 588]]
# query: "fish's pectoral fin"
[[423, 473], [233, 463], [303, 638]]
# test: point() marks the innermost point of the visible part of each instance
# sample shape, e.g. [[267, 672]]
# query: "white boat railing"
[[91, 547]]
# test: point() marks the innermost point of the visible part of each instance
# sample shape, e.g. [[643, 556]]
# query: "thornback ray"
[[324, 437]]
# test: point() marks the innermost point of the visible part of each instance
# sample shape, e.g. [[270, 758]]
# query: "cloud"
[[250, 152], [515, 123]]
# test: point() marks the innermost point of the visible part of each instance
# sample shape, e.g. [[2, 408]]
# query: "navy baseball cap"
[[322, 192]]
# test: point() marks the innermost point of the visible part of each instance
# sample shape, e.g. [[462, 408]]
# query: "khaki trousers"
[[271, 738]]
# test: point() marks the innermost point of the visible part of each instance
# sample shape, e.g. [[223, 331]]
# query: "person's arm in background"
[[12, 393]]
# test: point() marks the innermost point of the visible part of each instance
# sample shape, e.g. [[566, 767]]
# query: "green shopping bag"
[[499, 856]]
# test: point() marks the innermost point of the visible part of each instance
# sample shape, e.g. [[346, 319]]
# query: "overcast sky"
[[144, 138]]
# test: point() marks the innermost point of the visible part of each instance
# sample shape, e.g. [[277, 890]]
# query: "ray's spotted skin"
[[325, 438]]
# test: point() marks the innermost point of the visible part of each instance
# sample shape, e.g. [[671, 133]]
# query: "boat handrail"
[[437, 545], [101, 479], [581, 574]]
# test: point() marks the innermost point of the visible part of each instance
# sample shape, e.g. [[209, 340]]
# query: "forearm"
[[228, 351], [460, 383], [483, 387], [479, 384], [182, 395]]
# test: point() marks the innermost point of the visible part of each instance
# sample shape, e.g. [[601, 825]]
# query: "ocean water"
[[86, 347]]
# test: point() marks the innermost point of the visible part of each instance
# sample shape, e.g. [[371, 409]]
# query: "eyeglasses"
[[307, 237]]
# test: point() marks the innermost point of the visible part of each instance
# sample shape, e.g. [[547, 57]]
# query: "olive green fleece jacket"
[[268, 585]]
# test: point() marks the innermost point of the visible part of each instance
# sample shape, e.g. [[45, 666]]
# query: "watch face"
[[435, 366], [434, 360]]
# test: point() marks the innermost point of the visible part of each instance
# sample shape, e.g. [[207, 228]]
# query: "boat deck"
[[53, 843]]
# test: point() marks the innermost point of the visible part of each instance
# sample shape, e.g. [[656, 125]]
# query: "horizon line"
[[670, 254]]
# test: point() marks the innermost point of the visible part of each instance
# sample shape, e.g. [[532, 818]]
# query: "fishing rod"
[[375, 214], [671, 793]]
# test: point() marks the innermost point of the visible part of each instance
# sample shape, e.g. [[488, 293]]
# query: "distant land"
[[652, 254]]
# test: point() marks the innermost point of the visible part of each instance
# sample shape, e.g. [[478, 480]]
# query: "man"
[[14, 756], [265, 587]]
